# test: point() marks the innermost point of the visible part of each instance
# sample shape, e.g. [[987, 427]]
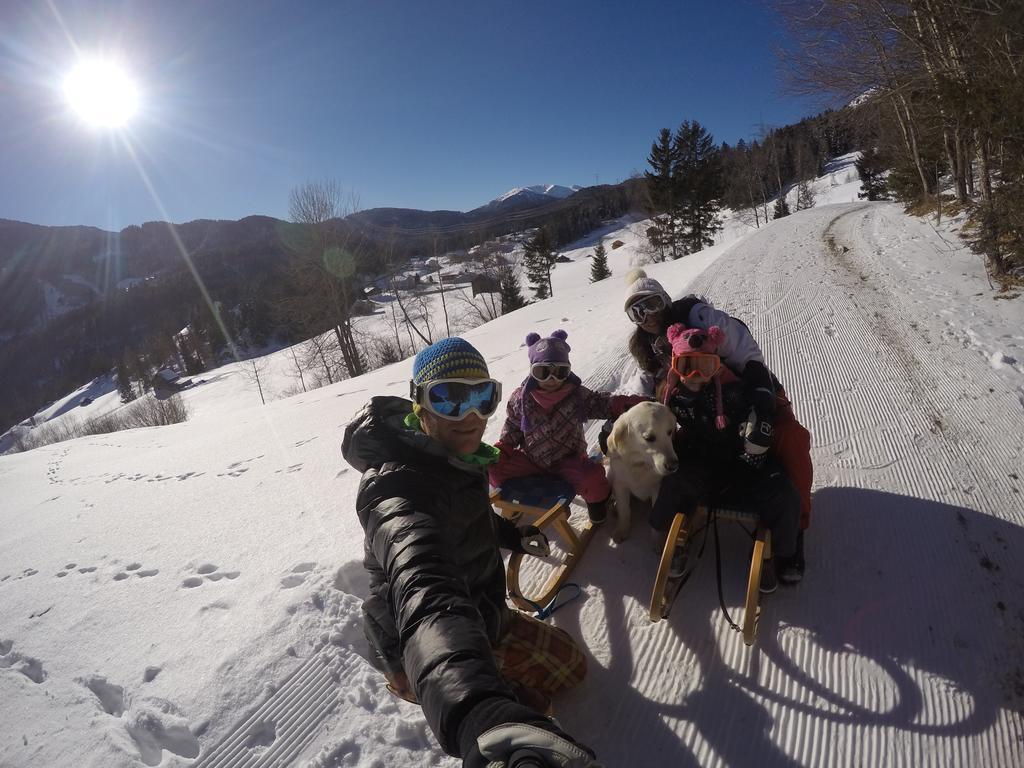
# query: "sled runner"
[[542, 501], [680, 539]]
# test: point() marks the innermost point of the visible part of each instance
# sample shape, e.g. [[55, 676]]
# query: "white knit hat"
[[640, 285]]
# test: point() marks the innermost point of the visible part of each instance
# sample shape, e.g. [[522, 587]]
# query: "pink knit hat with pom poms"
[[696, 341], [685, 339]]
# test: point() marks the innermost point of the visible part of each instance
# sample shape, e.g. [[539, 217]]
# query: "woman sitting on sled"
[[652, 310]]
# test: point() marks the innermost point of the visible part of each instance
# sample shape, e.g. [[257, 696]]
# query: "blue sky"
[[431, 105]]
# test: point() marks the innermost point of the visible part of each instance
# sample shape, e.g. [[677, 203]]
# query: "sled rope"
[[543, 612]]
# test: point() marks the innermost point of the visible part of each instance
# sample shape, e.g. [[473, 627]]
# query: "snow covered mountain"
[[193, 592], [521, 197]]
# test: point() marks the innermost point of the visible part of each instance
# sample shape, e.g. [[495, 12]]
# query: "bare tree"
[[323, 268], [322, 358], [298, 368], [255, 372], [440, 282]]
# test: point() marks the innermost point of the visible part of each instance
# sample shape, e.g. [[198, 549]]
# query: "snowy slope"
[[160, 587]]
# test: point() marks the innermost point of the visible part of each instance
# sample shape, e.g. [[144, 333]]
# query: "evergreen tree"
[[509, 290], [699, 186], [804, 195], [124, 383], [662, 198], [540, 260], [871, 166], [599, 266], [781, 207]]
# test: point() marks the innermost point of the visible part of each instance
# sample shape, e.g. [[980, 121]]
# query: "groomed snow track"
[[280, 728]]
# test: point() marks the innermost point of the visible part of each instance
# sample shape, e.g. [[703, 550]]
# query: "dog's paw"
[[620, 536]]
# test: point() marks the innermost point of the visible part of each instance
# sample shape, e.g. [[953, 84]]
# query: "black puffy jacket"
[[437, 580]]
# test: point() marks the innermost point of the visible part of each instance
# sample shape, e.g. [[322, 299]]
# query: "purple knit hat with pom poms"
[[552, 349]]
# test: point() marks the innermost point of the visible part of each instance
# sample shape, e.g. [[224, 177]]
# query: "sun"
[[101, 93]]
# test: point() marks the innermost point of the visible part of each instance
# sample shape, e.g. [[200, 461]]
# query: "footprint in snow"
[[297, 575], [210, 572], [29, 666], [135, 569], [67, 569]]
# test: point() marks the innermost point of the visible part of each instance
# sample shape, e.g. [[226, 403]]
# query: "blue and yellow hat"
[[452, 358]]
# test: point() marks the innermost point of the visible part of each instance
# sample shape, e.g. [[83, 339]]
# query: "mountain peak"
[[556, 191]]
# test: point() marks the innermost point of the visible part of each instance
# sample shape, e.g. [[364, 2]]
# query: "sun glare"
[[101, 94]]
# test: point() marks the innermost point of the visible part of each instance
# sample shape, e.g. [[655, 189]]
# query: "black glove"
[[517, 745], [757, 435], [764, 402], [532, 541], [496, 728], [602, 438]]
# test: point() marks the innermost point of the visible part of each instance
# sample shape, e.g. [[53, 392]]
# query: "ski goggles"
[[640, 309], [696, 366], [455, 399], [545, 371]]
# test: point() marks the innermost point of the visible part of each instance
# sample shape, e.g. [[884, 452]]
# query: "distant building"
[[406, 282], [363, 307], [485, 284]]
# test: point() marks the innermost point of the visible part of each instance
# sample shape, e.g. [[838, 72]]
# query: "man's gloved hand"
[[757, 435], [533, 541], [520, 745]]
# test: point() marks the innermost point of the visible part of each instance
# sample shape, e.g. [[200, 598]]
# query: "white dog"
[[640, 453]]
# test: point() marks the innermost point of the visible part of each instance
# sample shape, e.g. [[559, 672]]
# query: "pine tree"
[[871, 166], [699, 186], [599, 266], [540, 260], [781, 207], [124, 383], [509, 290], [663, 203], [804, 195]]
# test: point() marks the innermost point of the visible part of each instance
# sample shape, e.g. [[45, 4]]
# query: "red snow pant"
[[792, 446], [585, 476]]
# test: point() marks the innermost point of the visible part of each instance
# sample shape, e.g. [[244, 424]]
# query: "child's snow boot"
[[598, 510], [769, 580], [791, 569]]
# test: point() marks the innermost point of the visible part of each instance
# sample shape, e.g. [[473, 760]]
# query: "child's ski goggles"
[[640, 309], [545, 371], [455, 399], [696, 366]]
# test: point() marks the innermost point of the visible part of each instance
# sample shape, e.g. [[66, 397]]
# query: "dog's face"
[[643, 435]]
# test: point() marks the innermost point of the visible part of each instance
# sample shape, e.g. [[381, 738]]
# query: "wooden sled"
[[665, 588], [542, 501]]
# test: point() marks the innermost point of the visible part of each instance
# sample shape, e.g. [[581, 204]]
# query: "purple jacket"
[[557, 434]]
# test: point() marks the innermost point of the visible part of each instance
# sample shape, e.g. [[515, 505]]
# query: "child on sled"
[[543, 431], [723, 446]]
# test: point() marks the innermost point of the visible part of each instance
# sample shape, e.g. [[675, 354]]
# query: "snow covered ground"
[[189, 595]]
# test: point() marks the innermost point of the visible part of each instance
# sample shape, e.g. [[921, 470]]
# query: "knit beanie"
[[690, 340], [552, 349], [641, 286], [452, 358], [685, 339]]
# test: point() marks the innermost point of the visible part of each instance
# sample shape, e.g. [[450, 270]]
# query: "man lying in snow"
[[437, 620]]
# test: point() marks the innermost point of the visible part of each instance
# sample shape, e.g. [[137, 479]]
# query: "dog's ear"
[[619, 431]]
